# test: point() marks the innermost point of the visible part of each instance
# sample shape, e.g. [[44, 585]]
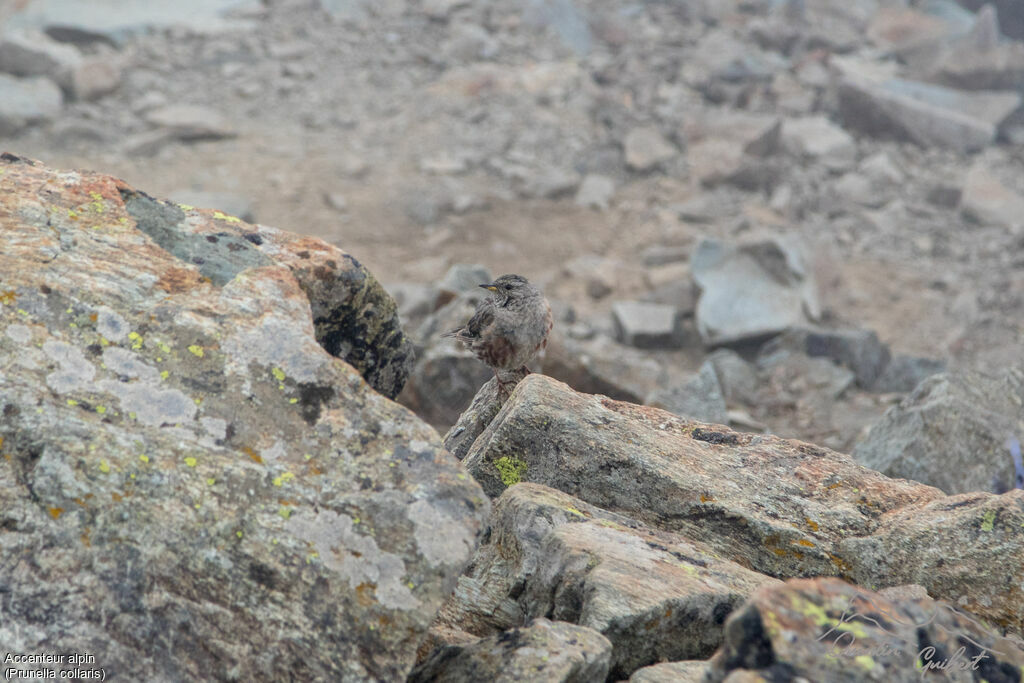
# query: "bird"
[[509, 329]]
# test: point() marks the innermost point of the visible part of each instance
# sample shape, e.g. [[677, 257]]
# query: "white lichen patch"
[[129, 364], [111, 325], [21, 334], [275, 342], [152, 405], [275, 452], [441, 538], [334, 538], [74, 371], [215, 427]]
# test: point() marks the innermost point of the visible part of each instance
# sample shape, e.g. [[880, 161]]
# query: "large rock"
[[33, 53], [783, 508], [602, 366], [752, 290], [930, 115], [828, 630], [26, 101], [950, 432], [543, 651], [645, 148], [647, 325], [655, 596], [818, 140], [191, 486], [858, 350], [691, 671], [699, 397]]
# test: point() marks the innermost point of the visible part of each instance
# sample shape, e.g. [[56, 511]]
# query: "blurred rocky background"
[[779, 215]]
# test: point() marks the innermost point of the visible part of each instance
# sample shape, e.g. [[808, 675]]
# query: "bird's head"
[[510, 287]]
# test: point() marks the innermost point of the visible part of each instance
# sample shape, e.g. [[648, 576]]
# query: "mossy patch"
[[510, 469]]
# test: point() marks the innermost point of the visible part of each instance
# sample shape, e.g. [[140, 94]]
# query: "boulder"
[[736, 377], [699, 397], [950, 432], [596, 191], [858, 350], [903, 373], [816, 139], [602, 366], [27, 101], [654, 595], [752, 290], [930, 115], [191, 122], [33, 53], [829, 630], [544, 651], [647, 325], [192, 486], [780, 507], [228, 202]]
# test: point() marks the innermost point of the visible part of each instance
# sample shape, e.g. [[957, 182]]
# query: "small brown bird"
[[509, 329]]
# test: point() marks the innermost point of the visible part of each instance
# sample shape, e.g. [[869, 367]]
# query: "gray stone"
[[698, 398], [114, 21], [817, 139], [737, 377], [550, 182], [752, 290], [661, 255], [563, 17], [858, 350], [930, 115], [33, 53], [191, 122], [96, 76], [227, 202], [415, 301], [647, 325], [542, 650], [595, 191], [904, 373], [984, 199], [26, 101], [800, 376], [213, 479], [646, 147], [463, 278], [950, 432], [601, 366], [671, 672]]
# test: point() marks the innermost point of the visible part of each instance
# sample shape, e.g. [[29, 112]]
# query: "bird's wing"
[[483, 317]]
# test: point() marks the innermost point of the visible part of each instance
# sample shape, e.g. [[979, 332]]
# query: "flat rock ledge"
[[660, 532]]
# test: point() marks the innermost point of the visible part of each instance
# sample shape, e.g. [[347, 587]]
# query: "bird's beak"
[[490, 287]]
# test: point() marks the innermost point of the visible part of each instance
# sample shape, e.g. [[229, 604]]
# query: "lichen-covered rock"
[[829, 630], [543, 651], [654, 595], [781, 507], [191, 487]]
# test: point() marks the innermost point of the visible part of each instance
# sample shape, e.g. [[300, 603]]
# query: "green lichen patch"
[[988, 520], [510, 469]]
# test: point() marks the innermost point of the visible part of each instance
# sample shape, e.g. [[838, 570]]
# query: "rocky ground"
[[795, 219], [594, 149]]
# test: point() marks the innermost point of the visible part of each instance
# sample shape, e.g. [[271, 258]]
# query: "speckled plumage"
[[509, 329]]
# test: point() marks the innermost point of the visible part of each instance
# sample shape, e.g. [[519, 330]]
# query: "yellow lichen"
[[72, 402], [104, 467], [988, 520], [164, 374], [196, 350], [286, 476], [56, 512], [510, 469], [220, 215], [101, 409], [278, 374], [211, 481], [190, 461], [293, 400], [136, 339], [164, 347], [144, 458]]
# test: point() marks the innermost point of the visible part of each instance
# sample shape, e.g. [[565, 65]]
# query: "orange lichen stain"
[[86, 541], [176, 280], [56, 512], [116, 496], [94, 317], [9, 297], [779, 551], [366, 594], [79, 501], [313, 469], [812, 524], [253, 455], [707, 499], [840, 563], [283, 501], [834, 486], [804, 542]]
